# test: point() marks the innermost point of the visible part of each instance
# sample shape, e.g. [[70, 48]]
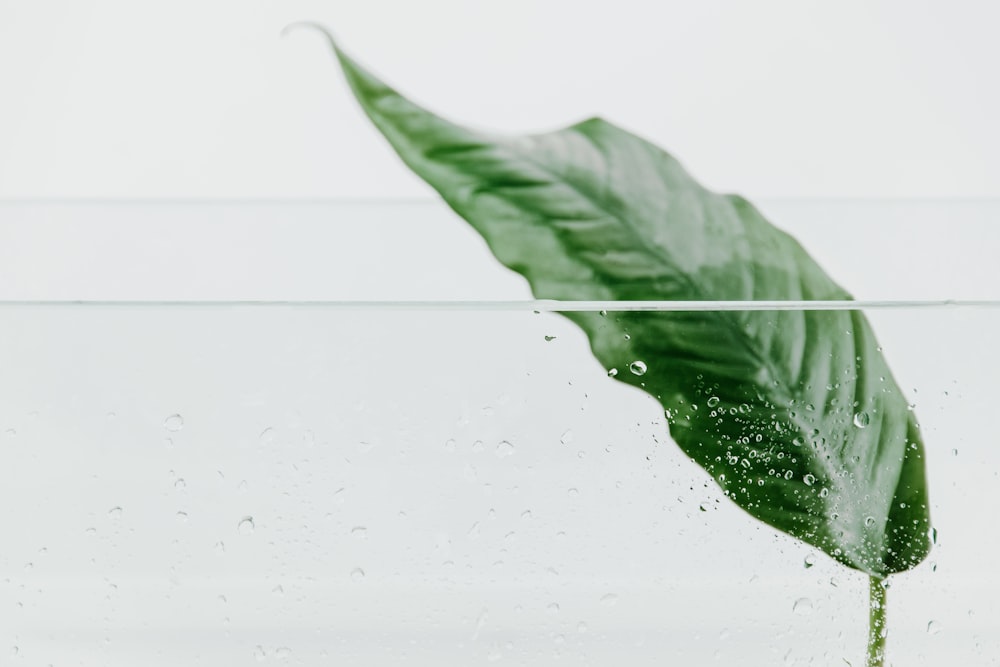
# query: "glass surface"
[[432, 484]]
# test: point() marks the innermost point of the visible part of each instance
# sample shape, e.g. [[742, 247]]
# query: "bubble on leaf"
[[637, 367], [861, 419]]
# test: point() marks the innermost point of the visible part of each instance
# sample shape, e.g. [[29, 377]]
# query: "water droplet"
[[10, 432], [573, 492], [478, 446], [180, 484], [581, 627], [802, 606], [637, 367], [182, 517], [870, 521], [359, 532], [449, 445], [283, 653], [933, 627], [549, 338], [278, 590], [809, 561], [115, 512], [954, 452], [526, 514], [809, 479], [861, 419], [173, 423], [504, 449], [566, 437], [266, 436], [612, 372], [245, 526], [934, 535], [712, 402], [553, 608], [609, 600], [259, 653], [357, 574]]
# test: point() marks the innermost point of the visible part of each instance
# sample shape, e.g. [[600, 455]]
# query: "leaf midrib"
[[734, 328]]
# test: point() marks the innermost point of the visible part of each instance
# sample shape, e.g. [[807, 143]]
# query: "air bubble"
[[933, 627], [802, 606], [566, 437], [612, 372], [173, 423], [115, 512], [861, 419], [609, 600], [357, 574], [359, 532], [809, 561], [549, 338], [809, 479], [637, 367], [713, 401], [245, 526], [504, 449]]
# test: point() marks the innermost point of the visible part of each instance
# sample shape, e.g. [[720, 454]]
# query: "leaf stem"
[[876, 621]]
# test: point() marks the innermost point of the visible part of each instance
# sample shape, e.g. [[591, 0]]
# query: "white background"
[[776, 98]]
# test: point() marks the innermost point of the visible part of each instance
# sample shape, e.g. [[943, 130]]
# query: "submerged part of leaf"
[[794, 413]]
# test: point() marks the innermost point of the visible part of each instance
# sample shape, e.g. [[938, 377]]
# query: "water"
[[355, 470], [558, 502]]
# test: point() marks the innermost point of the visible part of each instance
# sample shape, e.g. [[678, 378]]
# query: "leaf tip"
[[312, 25]]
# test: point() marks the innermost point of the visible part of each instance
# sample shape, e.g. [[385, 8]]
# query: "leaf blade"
[[593, 212]]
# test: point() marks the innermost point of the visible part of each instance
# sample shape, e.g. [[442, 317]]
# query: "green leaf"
[[793, 412]]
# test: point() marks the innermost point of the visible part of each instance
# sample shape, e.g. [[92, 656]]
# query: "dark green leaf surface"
[[794, 413]]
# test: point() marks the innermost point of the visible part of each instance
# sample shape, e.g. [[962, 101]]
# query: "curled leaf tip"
[[310, 25]]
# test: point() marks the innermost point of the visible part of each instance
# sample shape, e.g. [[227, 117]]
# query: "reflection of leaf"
[[794, 412]]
